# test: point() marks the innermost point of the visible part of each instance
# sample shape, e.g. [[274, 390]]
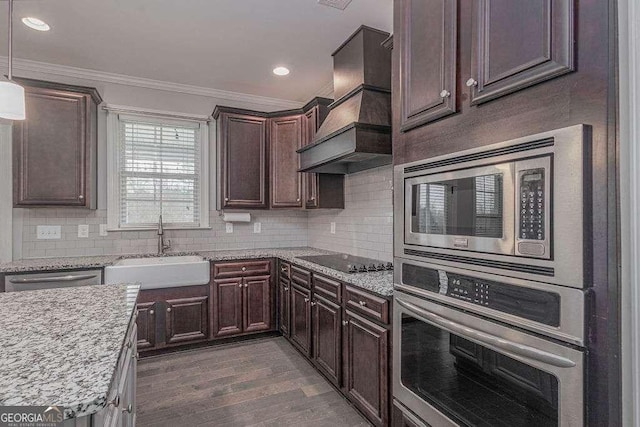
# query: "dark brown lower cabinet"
[[146, 322], [241, 305], [366, 348], [327, 338], [226, 298], [257, 304], [403, 418], [284, 314], [186, 319], [172, 316], [301, 319]]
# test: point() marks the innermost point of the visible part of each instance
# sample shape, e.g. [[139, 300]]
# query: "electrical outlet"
[[257, 227], [333, 228], [229, 227], [83, 230], [48, 232], [103, 230]]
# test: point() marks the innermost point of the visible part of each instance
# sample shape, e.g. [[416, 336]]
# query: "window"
[[158, 167], [488, 194]]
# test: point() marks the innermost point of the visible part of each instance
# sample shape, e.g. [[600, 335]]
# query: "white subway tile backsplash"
[[363, 228]]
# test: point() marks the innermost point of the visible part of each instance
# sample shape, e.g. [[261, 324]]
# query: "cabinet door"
[[367, 367], [226, 309], [257, 304], [327, 338], [284, 312], [301, 318], [186, 319], [518, 43], [244, 148], [53, 149], [286, 182], [428, 50], [146, 324], [310, 125]]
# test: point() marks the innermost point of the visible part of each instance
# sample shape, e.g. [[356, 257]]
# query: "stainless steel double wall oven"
[[490, 279]]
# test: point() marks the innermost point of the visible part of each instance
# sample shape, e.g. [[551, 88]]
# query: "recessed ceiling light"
[[281, 71], [36, 24]]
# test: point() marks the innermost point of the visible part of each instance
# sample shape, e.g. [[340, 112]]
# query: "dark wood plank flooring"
[[263, 382]]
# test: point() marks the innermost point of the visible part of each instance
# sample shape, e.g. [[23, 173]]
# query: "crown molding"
[[122, 79]]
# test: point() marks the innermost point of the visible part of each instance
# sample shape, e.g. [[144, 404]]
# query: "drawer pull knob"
[[115, 402], [362, 303], [345, 322], [81, 197], [152, 312], [306, 300], [128, 344], [246, 285], [313, 303], [137, 356], [244, 268], [168, 309], [240, 285], [128, 409], [445, 93], [471, 82]]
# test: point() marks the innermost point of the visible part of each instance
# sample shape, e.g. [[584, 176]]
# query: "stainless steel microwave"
[[515, 208]]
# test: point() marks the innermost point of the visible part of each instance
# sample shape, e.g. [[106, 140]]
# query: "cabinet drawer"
[[375, 307], [285, 269], [300, 276], [241, 268], [328, 288]]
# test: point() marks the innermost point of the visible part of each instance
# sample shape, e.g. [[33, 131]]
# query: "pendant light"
[[11, 94]]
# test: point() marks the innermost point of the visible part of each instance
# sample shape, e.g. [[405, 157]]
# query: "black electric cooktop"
[[349, 263]]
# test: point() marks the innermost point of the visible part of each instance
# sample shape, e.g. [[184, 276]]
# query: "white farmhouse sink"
[[159, 272]]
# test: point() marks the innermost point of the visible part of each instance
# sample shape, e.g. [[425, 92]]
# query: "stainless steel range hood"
[[356, 135]]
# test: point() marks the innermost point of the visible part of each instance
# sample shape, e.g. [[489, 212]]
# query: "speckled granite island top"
[[378, 282], [61, 346]]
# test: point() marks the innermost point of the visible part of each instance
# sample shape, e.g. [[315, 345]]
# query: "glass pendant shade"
[[11, 101]]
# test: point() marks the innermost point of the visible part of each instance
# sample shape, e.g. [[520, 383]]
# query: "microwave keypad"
[[532, 205]]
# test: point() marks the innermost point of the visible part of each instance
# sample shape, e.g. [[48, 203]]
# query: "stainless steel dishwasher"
[[56, 279]]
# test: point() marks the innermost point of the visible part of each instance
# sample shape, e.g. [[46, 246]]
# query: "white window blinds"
[[159, 173]]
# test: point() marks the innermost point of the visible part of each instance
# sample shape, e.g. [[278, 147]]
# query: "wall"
[[365, 226], [279, 229]]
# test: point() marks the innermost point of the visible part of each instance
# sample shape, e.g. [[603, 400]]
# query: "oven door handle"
[[488, 339]]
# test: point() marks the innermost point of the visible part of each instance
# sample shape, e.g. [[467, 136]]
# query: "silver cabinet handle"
[[487, 339], [286, 288], [129, 344], [306, 300], [345, 322], [152, 312], [168, 309], [67, 278], [313, 303], [471, 82], [136, 356], [128, 409], [445, 93], [362, 303]]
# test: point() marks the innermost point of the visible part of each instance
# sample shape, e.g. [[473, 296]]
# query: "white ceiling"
[[223, 44]]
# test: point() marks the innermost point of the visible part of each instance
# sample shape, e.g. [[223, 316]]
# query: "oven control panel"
[[532, 304], [532, 205]]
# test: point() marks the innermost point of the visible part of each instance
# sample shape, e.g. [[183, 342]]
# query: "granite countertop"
[[379, 282], [61, 346]]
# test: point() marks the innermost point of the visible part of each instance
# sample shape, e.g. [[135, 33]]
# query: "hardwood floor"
[[255, 383]]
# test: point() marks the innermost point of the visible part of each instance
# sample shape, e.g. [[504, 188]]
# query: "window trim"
[[113, 165]]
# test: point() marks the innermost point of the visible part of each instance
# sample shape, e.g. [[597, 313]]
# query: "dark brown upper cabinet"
[[321, 190], [428, 51], [518, 43], [54, 149], [258, 159], [285, 138], [242, 156]]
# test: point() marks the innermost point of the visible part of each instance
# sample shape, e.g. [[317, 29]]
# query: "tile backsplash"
[[363, 228], [279, 229]]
